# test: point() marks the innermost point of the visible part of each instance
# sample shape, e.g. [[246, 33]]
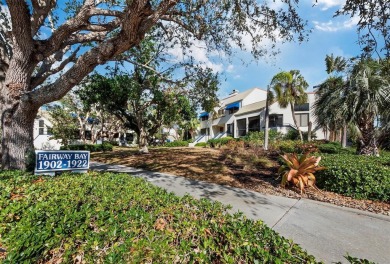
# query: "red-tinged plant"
[[299, 170]]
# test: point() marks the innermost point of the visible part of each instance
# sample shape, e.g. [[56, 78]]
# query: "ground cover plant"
[[236, 166], [115, 218], [362, 177], [90, 147]]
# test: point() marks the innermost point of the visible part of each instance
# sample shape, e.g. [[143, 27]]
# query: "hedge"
[[91, 147], [357, 176], [177, 143], [116, 218], [218, 142]]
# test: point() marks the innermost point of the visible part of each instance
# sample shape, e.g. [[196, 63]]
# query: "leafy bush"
[[292, 134], [89, 147], [285, 146], [113, 142], [218, 142], [177, 143], [201, 144], [299, 170], [116, 218], [258, 136], [360, 177], [306, 147], [331, 147]]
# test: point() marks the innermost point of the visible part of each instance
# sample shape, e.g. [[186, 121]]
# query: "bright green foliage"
[[258, 136], [299, 170], [290, 89], [218, 142], [357, 176], [331, 147], [65, 125], [115, 218], [293, 134], [91, 147], [285, 146], [201, 144], [176, 143]]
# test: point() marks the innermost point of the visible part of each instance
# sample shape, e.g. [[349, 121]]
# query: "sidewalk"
[[326, 231]]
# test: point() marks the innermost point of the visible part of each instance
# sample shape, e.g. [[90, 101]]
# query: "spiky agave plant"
[[299, 170]]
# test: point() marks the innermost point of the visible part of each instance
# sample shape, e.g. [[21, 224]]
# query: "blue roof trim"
[[233, 105], [204, 114]]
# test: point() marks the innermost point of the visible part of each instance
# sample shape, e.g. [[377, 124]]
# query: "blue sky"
[[330, 35]]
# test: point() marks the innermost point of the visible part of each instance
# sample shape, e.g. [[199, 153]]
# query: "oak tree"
[[48, 47]]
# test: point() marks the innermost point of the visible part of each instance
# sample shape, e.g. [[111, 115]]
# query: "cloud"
[[230, 68], [198, 51], [326, 4], [331, 26]]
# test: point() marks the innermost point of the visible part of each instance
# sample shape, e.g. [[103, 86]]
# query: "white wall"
[[43, 142], [256, 95]]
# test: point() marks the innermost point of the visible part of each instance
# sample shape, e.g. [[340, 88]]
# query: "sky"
[[329, 35]]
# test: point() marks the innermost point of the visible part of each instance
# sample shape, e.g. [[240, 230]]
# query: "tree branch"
[[46, 71], [40, 13]]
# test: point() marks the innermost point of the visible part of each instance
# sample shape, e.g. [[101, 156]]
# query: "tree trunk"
[[367, 144], [295, 122], [309, 131], [143, 141], [17, 136], [344, 136]]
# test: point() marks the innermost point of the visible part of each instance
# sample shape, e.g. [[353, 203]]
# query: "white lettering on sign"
[[56, 156], [80, 156]]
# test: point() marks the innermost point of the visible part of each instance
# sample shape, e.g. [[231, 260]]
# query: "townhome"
[[240, 113]]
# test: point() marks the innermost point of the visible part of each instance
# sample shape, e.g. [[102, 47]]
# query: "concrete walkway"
[[326, 231]]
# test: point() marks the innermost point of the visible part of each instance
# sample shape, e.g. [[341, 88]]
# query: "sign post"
[[49, 162]]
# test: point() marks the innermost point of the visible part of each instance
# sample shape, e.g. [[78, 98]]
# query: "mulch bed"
[[217, 166]]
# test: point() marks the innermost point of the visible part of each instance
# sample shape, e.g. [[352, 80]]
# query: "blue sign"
[[61, 160]]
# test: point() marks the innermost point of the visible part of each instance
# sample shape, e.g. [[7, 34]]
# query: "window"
[[230, 129], [205, 131], [254, 123], [221, 112], [302, 120], [275, 120], [302, 107], [41, 127], [204, 118], [233, 110], [241, 127]]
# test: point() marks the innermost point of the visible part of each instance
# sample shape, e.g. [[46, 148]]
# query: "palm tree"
[[328, 99], [290, 88], [327, 106], [366, 96]]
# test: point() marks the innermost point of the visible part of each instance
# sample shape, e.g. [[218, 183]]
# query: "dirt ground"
[[223, 166]]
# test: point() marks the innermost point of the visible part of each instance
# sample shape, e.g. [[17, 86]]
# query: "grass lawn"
[[116, 218], [229, 167]]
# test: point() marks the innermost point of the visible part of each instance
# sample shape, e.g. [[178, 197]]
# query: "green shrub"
[[360, 177], [112, 142], [258, 136], [218, 142], [285, 146], [89, 147], [201, 144], [292, 134], [177, 143], [116, 218], [107, 146], [331, 147]]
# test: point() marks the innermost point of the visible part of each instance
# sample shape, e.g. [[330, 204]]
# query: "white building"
[[42, 135], [240, 113]]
